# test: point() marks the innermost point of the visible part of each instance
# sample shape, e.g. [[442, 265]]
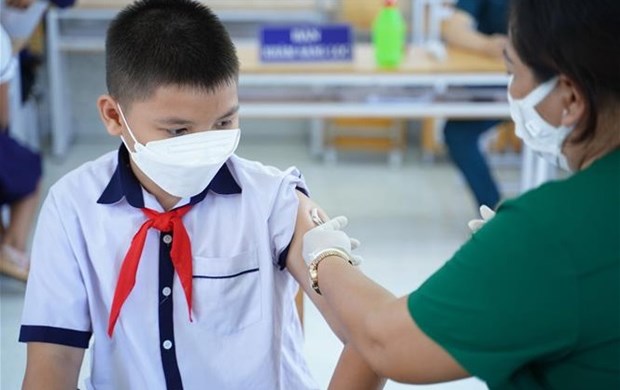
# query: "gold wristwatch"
[[313, 267]]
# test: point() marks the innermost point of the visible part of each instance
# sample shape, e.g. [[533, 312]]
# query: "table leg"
[[60, 113]]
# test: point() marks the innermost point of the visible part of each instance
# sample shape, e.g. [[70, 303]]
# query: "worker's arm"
[[459, 30], [375, 322], [380, 327], [52, 367]]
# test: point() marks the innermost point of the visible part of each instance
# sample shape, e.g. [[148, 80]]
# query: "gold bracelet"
[[313, 267]]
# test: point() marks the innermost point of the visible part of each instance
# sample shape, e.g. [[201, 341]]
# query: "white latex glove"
[[476, 224], [329, 235]]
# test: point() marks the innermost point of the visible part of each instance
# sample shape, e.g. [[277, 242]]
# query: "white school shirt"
[[245, 332], [8, 64]]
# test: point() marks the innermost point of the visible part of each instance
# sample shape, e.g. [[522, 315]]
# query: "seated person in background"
[[480, 26], [20, 173], [30, 60], [173, 253]]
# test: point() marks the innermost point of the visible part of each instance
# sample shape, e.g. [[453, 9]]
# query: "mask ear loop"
[[539, 93], [120, 111]]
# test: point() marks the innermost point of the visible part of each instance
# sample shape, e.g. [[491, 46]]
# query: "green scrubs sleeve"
[[502, 301]]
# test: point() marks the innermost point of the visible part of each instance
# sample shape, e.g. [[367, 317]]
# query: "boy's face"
[[172, 112]]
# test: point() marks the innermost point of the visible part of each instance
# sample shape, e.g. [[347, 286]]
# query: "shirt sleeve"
[[489, 306], [283, 215], [56, 305], [8, 63]]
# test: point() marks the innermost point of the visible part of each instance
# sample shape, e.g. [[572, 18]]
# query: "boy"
[[171, 252]]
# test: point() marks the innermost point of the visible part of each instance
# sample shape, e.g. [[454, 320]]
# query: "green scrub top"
[[532, 300]]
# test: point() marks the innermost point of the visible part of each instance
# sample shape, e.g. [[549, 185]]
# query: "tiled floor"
[[409, 221]]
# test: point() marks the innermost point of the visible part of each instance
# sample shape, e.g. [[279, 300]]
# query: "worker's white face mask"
[[183, 166], [543, 138]]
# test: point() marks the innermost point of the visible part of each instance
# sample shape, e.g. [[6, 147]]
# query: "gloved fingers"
[[355, 243], [486, 212], [475, 225], [356, 260], [316, 218], [317, 240], [337, 223]]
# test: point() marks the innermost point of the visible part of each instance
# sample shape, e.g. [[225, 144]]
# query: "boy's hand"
[[328, 235], [476, 224]]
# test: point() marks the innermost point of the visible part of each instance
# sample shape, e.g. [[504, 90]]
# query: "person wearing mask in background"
[[532, 300], [30, 60], [478, 26], [20, 174], [173, 253], [20, 167]]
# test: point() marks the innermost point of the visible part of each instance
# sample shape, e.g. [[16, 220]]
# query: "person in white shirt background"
[[20, 175]]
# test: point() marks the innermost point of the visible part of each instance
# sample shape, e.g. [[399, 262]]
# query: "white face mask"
[[184, 166], [543, 138]]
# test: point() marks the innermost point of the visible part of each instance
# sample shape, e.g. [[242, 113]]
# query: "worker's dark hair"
[[576, 38], [154, 43]]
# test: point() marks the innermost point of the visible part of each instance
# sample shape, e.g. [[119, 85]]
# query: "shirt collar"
[[125, 184]]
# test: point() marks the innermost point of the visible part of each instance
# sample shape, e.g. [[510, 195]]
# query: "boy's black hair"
[[576, 38], [154, 43]]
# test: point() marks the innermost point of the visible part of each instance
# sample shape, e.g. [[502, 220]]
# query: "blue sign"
[[306, 43]]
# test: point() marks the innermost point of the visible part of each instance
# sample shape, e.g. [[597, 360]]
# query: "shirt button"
[[167, 239], [167, 344], [166, 291]]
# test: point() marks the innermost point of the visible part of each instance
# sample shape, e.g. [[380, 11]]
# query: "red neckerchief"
[[181, 255]]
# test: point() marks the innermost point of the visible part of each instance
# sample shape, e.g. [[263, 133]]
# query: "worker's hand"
[[23, 4], [329, 235], [486, 214], [495, 45]]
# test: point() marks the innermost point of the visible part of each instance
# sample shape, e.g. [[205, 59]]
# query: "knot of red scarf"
[[180, 254]]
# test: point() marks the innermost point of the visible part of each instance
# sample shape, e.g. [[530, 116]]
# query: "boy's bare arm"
[[352, 372], [52, 367], [297, 266]]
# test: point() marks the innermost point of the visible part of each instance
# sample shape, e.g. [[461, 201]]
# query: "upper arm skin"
[[458, 22], [459, 31], [52, 367], [297, 266]]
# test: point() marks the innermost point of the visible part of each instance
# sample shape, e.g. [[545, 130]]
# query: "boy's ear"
[[108, 110]]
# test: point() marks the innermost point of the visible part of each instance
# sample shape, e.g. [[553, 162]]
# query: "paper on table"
[[20, 23]]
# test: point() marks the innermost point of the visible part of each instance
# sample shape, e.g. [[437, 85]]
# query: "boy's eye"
[[177, 132], [225, 124]]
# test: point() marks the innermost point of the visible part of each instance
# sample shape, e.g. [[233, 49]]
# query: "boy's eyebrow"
[[230, 112], [172, 121]]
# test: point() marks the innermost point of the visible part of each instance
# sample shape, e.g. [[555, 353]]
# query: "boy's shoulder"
[[88, 179], [255, 172], [267, 185]]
